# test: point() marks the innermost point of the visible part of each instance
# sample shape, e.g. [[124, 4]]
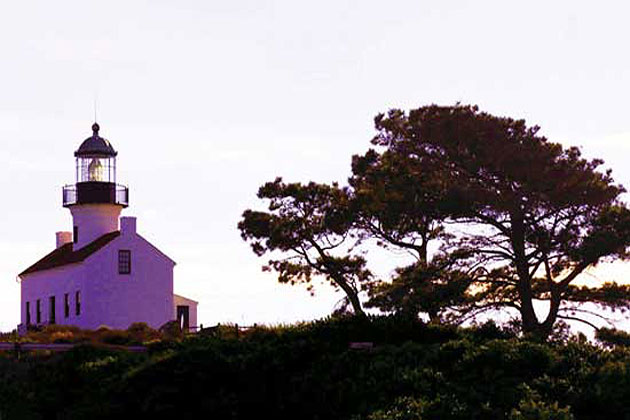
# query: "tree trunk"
[[341, 282], [552, 316], [529, 321], [434, 316], [540, 331], [356, 305], [351, 294]]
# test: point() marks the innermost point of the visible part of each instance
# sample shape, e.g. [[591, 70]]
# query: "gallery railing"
[[95, 193]]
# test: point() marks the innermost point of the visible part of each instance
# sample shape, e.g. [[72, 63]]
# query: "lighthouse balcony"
[[95, 193]]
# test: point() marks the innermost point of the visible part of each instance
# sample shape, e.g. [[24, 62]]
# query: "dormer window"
[[124, 261]]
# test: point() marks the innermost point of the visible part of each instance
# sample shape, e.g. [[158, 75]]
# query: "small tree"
[[308, 227]]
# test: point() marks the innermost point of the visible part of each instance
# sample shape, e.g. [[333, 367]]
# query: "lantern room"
[[96, 159], [95, 174]]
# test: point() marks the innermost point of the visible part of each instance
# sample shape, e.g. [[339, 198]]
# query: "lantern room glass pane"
[[96, 169]]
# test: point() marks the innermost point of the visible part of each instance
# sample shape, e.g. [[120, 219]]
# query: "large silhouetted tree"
[[528, 215]]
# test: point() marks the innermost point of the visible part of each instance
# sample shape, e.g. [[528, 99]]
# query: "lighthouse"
[[102, 272]]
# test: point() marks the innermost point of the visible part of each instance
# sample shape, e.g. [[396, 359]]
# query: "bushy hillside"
[[413, 371]]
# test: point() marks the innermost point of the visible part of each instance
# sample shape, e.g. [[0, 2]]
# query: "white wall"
[[55, 282], [118, 300], [108, 298], [94, 220]]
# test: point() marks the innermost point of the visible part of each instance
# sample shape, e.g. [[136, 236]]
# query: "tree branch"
[[572, 318]]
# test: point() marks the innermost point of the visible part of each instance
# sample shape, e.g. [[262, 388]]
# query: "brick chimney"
[[127, 225], [63, 238]]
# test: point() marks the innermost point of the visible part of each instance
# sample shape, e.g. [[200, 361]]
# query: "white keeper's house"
[[103, 273]]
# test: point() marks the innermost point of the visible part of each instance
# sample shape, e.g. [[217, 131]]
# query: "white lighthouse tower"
[[103, 272], [95, 200]]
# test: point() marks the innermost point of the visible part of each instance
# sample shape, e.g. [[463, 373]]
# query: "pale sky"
[[207, 100]]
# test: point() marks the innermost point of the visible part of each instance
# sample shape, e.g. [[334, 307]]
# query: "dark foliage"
[[413, 371], [611, 337]]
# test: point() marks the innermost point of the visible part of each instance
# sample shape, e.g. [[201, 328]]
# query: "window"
[[77, 303], [75, 234], [66, 305], [124, 261], [38, 311], [28, 313], [51, 310]]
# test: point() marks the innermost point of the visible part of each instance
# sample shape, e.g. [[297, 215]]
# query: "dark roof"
[[65, 255], [95, 145]]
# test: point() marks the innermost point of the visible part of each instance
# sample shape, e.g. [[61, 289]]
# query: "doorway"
[[183, 317]]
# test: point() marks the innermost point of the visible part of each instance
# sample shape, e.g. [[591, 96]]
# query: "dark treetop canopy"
[[95, 145]]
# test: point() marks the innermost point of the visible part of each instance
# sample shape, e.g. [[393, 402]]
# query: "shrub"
[[115, 337], [307, 371], [141, 332], [532, 407], [171, 331], [611, 337], [62, 337], [406, 408]]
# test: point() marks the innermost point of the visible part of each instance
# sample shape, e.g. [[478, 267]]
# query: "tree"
[[310, 227], [530, 215], [421, 288], [402, 204]]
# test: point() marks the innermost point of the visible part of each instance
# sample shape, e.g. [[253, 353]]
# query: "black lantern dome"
[[95, 145], [95, 174]]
